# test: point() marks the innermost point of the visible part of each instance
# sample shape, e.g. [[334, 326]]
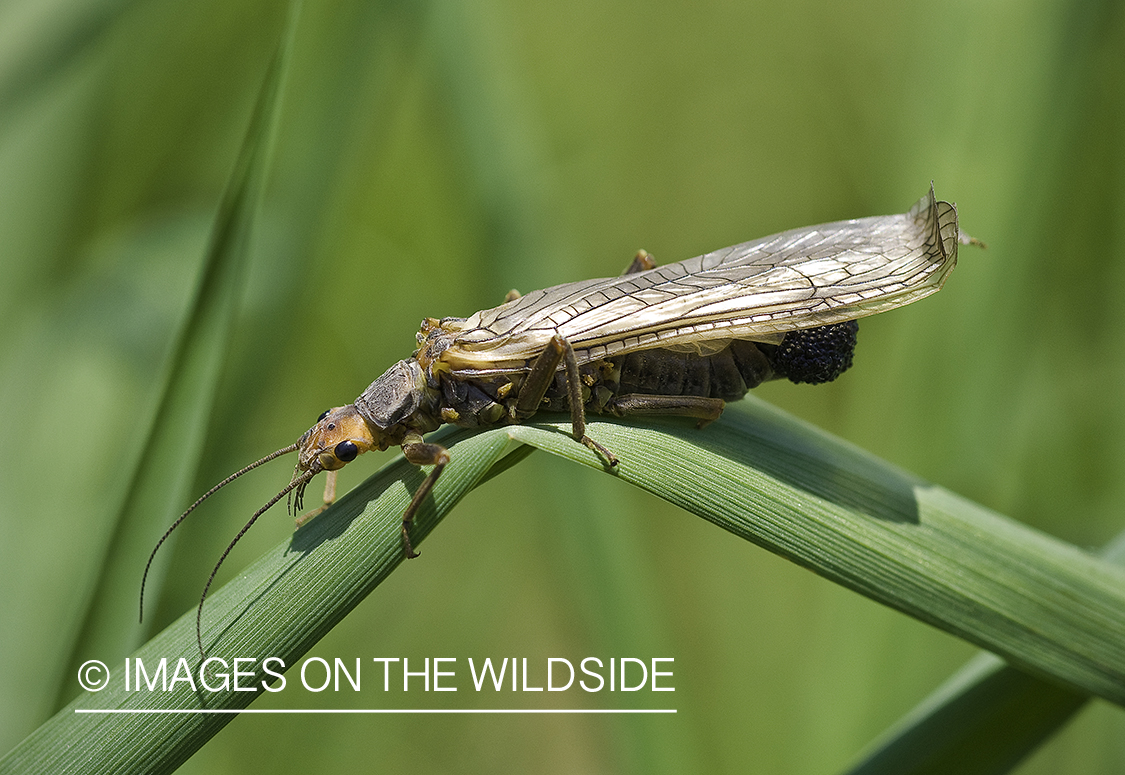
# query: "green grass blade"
[[758, 473], [985, 719], [280, 607], [1042, 604], [160, 482]]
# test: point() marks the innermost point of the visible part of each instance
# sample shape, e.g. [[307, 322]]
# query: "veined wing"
[[758, 290]]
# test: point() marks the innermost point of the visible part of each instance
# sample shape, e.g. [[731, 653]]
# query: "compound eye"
[[346, 451], [323, 415]]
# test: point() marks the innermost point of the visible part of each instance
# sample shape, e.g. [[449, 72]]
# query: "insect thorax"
[[401, 400]]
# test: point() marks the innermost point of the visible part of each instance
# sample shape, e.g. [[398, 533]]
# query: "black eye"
[[346, 451], [322, 416]]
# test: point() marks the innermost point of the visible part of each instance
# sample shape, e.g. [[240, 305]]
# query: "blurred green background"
[[431, 156]]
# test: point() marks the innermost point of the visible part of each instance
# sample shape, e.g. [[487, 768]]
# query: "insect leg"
[[542, 374], [703, 409], [420, 453], [578, 407], [540, 377], [641, 262]]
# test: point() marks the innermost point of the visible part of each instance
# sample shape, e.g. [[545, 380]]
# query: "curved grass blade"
[[280, 606], [985, 719], [1045, 606]]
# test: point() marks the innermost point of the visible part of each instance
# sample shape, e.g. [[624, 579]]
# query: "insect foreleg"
[[702, 408], [421, 453], [542, 375]]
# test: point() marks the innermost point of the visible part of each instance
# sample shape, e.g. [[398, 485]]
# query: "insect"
[[680, 339]]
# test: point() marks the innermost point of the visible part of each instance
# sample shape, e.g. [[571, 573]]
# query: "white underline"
[[206, 711]]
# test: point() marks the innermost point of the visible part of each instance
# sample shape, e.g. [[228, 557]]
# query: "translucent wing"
[[757, 291]]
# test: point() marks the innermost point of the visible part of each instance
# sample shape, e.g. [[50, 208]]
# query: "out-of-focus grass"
[[429, 157]]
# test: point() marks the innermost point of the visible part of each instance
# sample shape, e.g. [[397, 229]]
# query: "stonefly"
[[680, 339]]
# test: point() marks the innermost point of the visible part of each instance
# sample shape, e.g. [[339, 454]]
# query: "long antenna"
[[298, 482], [205, 496]]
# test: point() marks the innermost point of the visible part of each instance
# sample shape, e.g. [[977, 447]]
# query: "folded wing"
[[758, 290]]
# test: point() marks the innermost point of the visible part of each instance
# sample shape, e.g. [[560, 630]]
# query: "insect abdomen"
[[727, 374], [813, 355]]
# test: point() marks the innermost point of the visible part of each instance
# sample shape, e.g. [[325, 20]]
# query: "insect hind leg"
[[704, 409]]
